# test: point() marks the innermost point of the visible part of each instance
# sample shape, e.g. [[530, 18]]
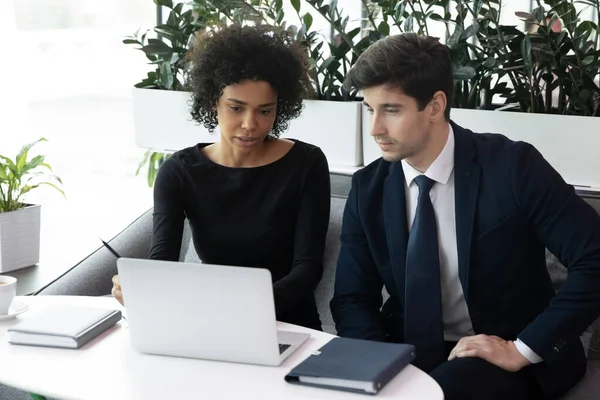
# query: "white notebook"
[[63, 326]]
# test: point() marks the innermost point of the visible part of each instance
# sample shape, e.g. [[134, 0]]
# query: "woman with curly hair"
[[251, 199]]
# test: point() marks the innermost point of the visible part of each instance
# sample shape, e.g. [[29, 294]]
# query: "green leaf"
[[584, 30], [467, 33], [308, 20], [333, 8], [345, 22], [54, 186], [3, 175], [493, 14], [543, 48], [153, 166], [524, 15], [326, 63], [166, 75], [384, 28], [178, 8], [22, 156], [588, 60], [464, 73], [353, 33], [538, 15], [143, 162], [173, 20], [9, 164], [455, 36], [131, 41], [167, 30], [526, 53], [489, 62], [32, 164], [151, 174], [585, 94], [164, 3], [408, 24], [399, 10], [157, 49], [437, 17], [146, 83], [477, 7], [27, 188], [296, 5]]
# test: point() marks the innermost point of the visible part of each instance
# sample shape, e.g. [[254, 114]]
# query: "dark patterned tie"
[[423, 326]]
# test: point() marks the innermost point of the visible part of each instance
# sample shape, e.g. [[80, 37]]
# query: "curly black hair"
[[235, 53]]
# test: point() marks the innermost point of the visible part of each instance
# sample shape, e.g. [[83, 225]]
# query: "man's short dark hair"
[[419, 65]]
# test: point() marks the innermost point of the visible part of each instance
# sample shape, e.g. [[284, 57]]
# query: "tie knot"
[[424, 183]]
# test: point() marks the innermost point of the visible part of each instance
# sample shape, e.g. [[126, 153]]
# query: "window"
[[69, 79]]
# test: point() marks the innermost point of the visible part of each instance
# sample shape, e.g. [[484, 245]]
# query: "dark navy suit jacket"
[[510, 206]]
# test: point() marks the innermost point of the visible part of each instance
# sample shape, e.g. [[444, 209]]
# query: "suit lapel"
[[466, 189], [394, 219]]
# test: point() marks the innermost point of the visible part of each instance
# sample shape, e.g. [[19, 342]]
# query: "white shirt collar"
[[440, 169]]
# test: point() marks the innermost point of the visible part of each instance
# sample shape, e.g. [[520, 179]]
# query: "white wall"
[[13, 106]]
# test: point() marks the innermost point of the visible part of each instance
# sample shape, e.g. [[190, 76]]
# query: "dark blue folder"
[[353, 365]]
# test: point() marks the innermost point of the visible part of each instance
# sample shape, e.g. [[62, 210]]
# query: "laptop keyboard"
[[283, 347]]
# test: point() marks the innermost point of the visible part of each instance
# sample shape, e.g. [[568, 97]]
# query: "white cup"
[[8, 290]]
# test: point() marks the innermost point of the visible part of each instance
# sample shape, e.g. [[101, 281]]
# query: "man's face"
[[397, 125]]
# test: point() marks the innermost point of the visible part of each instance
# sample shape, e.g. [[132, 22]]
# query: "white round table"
[[108, 368]]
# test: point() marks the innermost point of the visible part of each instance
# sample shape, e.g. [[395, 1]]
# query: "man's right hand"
[[116, 289]]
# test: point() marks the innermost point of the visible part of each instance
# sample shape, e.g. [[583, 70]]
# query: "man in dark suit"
[[455, 225]]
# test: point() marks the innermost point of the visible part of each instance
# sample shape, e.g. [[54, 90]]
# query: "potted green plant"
[[551, 68], [161, 105], [332, 116], [436, 18], [20, 221], [534, 84], [551, 95]]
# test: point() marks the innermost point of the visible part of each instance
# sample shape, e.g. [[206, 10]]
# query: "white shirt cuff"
[[527, 352]]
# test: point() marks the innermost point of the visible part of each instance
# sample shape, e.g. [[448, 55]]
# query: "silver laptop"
[[212, 312]]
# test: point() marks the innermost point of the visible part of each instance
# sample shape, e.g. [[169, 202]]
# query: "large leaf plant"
[[166, 45], [21, 175]]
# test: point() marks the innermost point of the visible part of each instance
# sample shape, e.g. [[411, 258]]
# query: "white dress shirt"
[[457, 321]]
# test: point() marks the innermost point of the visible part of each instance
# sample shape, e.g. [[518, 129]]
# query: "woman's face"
[[246, 112]]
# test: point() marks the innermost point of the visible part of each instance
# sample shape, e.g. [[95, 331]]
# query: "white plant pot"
[[371, 150], [163, 123], [20, 238], [334, 126], [568, 143]]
